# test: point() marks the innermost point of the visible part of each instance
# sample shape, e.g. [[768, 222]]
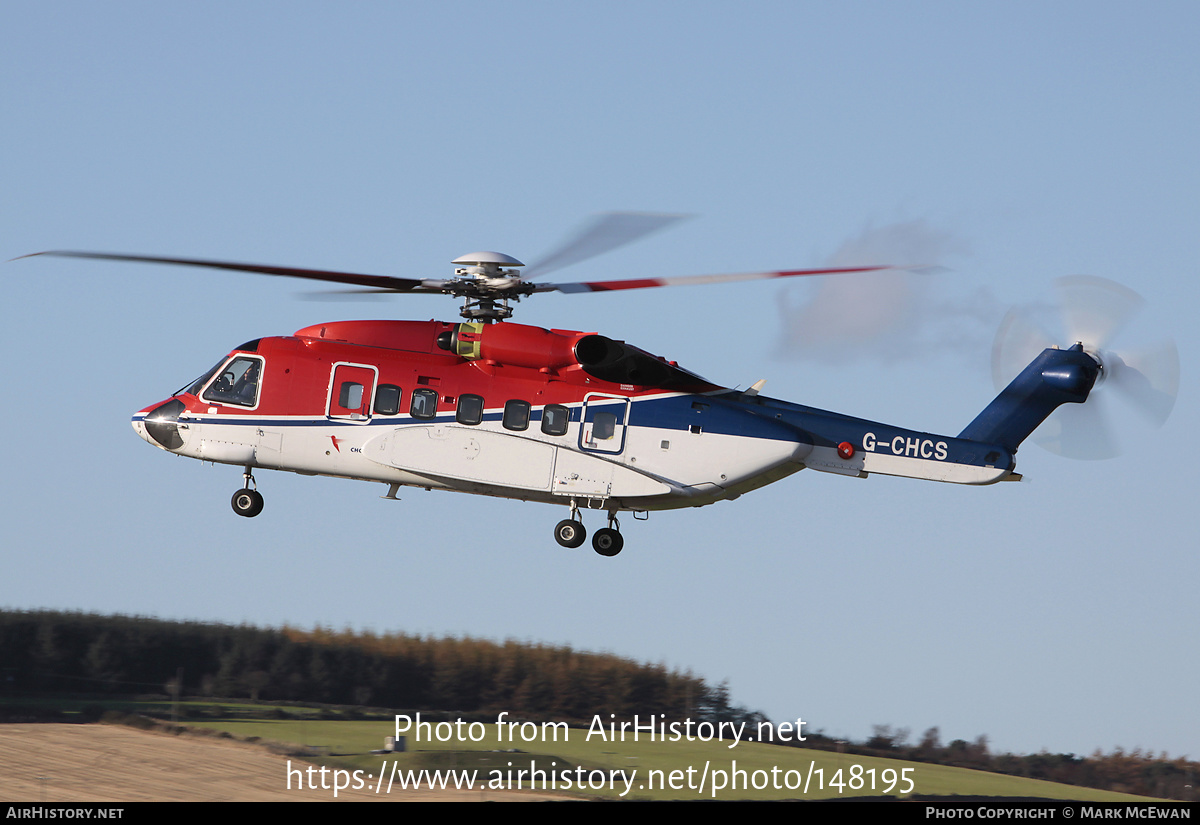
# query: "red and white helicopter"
[[492, 407]]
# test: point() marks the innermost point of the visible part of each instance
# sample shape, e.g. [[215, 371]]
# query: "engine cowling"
[[513, 344], [536, 348]]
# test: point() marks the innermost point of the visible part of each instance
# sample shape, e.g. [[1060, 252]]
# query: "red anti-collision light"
[[846, 449]]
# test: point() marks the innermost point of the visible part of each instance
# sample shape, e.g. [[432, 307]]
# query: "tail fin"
[[1057, 376]]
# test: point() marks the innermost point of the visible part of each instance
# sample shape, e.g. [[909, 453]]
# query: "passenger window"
[[604, 426], [350, 395], [424, 403], [470, 409], [555, 418], [236, 383], [387, 399], [516, 415]]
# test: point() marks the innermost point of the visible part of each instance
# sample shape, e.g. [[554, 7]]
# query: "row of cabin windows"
[[423, 404]]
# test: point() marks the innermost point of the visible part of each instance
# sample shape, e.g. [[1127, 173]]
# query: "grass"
[[657, 770], [347, 745]]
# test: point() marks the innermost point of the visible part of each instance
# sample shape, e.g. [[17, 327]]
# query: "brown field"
[[111, 763]]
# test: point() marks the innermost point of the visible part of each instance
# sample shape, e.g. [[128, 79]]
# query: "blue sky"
[[1014, 142]]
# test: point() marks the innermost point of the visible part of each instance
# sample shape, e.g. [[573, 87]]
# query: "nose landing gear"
[[247, 501]]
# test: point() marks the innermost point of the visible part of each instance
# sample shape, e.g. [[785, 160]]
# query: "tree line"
[[60, 652], [47, 652], [1135, 772]]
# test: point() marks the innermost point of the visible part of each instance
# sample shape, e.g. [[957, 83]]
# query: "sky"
[[1008, 143]]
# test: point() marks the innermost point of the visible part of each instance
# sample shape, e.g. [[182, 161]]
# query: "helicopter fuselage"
[[498, 408], [526, 413]]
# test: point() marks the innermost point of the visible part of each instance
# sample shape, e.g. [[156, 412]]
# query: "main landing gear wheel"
[[248, 503], [570, 533], [607, 541]]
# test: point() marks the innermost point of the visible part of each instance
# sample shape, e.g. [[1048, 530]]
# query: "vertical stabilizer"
[[1057, 376]]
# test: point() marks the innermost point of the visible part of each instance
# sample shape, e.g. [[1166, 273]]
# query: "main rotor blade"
[[693, 280], [383, 282], [603, 234], [362, 294]]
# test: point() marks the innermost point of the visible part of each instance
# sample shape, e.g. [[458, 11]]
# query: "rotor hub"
[[1102, 358], [486, 286], [486, 265]]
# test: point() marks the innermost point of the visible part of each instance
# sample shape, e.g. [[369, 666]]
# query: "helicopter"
[[492, 407]]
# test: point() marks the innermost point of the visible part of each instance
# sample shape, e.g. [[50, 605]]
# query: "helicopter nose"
[[160, 426]]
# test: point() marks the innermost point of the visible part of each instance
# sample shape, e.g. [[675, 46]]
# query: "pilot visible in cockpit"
[[247, 389]]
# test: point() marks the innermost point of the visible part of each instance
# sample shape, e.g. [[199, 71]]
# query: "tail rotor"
[[1135, 376]]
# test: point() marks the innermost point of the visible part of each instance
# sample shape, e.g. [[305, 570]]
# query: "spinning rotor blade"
[[1080, 431], [1018, 341], [385, 283], [485, 288], [1148, 379], [1096, 313], [693, 280], [605, 233], [1095, 310]]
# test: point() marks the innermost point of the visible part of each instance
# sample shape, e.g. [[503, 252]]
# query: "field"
[[230, 752], [113, 763], [116, 763], [348, 744]]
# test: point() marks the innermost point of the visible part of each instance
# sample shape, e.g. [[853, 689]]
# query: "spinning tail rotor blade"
[[1100, 315], [1095, 310], [1018, 341], [1080, 431], [1148, 380]]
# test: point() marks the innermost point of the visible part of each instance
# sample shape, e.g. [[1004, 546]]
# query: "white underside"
[[655, 468]]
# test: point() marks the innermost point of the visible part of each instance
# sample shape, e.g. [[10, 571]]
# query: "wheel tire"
[[570, 533], [246, 502], [607, 541]]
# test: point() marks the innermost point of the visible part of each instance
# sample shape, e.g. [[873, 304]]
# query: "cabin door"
[[351, 390], [605, 418]]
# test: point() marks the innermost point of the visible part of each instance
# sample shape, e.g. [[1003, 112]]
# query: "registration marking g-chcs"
[[904, 446]]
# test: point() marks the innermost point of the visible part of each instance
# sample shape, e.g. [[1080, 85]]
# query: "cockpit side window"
[[236, 382]]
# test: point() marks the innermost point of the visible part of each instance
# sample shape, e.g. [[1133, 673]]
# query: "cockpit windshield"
[[236, 382], [197, 385]]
